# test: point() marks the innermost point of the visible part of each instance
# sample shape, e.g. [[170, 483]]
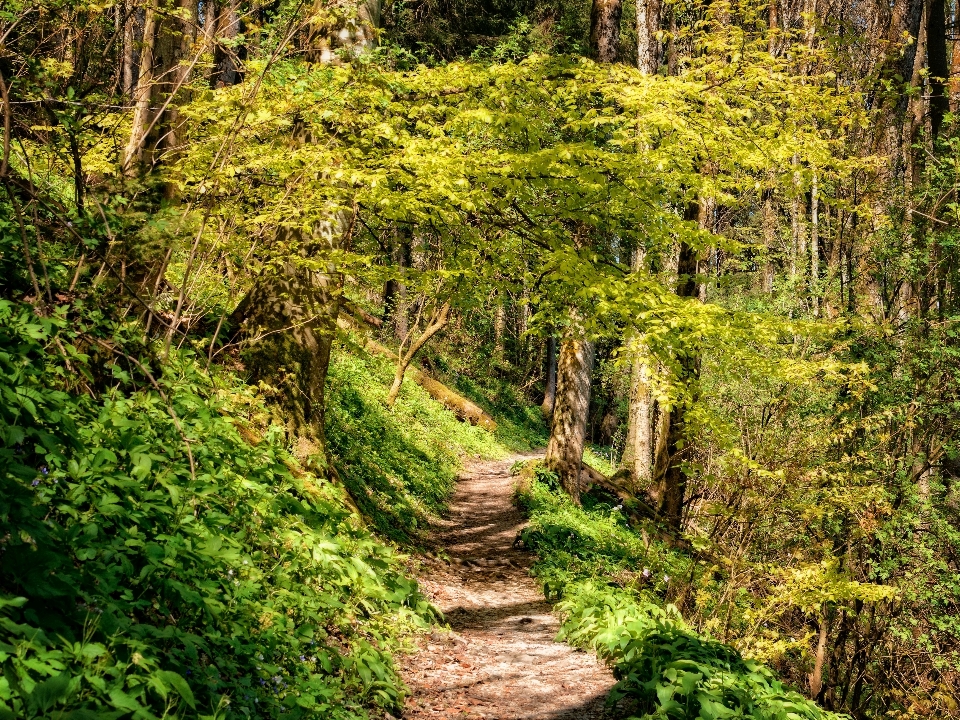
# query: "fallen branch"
[[460, 406]]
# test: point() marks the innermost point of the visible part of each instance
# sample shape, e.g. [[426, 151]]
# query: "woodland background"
[[715, 242]]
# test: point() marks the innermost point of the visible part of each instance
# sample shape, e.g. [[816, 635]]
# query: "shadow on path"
[[500, 660]]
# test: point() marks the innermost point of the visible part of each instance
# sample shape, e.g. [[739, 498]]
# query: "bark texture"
[[605, 30], [550, 389], [569, 431], [670, 485], [141, 95], [637, 460], [648, 46], [288, 321]]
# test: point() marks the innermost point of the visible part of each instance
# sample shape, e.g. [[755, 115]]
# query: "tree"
[[569, 424], [605, 30]]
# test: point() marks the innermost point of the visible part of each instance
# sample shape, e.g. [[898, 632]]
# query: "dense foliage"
[[736, 220], [159, 564], [613, 587]]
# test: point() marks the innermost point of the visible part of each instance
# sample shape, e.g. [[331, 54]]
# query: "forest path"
[[501, 660]]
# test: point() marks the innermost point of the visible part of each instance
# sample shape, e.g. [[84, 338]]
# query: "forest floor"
[[500, 660]]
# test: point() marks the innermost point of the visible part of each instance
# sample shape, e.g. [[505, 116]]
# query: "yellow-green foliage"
[[159, 563]]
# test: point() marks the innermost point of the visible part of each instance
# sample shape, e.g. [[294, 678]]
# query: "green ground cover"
[[612, 586], [166, 554]]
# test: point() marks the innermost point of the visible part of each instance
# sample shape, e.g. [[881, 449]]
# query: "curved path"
[[501, 660]]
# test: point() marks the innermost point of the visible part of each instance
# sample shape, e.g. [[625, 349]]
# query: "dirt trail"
[[501, 661]]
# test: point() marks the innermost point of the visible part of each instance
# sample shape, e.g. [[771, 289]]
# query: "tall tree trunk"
[[569, 429], [224, 57], [671, 446], [648, 46], [550, 387], [142, 117], [815, 246], [638, 450], [937, 62], [395, 305], [637, 459], [798, 235], [769, 222], [605, 30], [176, 36], [773, 28], [671, 489], [815, 677], [672, 52], [130, 39]]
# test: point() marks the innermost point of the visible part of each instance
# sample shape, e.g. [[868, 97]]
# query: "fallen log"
[[460, 406]]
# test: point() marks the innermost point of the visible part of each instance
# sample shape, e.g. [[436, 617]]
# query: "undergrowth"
[[161, 560], [399, 464], [613, 588]]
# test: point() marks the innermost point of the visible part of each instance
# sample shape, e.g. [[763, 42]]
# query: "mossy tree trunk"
[[288, 321]]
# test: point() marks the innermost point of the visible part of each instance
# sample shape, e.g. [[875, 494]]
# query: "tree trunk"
[[394, 290], [773, 27], [671, 444], [605, 30], [288, 320], [648, 46], [550, 389], [798, 237], [133, 153], [224, 58], [569, 431], [130, 39], [672, 486], [955, 65], [815, 678], [769, 221], [937, 62], [439, 321], [815, 247], [176, 36], [637, 459]]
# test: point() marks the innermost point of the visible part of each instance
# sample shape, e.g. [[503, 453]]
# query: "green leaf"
[[180, 685], [46, 694]]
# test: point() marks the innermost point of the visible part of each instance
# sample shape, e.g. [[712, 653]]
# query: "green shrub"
[[612, 587], [156, 564]]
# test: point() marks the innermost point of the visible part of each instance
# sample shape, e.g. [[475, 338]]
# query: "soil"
[[500, 659]]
